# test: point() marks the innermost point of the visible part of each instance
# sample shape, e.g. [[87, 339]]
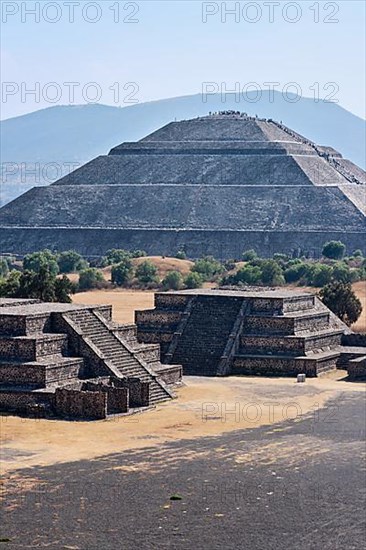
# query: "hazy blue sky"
[[170, 51]]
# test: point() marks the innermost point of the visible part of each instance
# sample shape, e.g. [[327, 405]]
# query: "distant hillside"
[[76, 134]]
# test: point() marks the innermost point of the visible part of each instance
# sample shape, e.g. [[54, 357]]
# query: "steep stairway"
[[203, 341], [95, 328]]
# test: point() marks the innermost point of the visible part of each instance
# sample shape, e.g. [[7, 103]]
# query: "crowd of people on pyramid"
[[326, 155], [236, 114]]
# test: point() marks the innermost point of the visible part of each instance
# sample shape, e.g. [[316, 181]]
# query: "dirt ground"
[[205, 407], [360, 290], [124, 302]]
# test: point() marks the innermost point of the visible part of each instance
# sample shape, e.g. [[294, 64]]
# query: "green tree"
[[249, 274], [138, 254], [43, 259], [340, 298], [342, 273], [90, 278], [321, 275], [40, 285], [147, 273], [9, 287], [122, 272], [193, 280], [358, 253], [334, 250], [208, 268], [116, 256], [70, 261], [294, 273], [173, 281], [181, 255], [249, 255], [63, 289], [272, 273]]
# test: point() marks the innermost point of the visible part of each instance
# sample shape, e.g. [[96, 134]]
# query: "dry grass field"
[[360, 290], [124, 302]]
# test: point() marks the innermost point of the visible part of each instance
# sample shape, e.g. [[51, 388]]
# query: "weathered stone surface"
[[73, 361], [212, 185], [253, 331]]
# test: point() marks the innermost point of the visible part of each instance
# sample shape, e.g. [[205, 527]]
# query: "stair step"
[[114, 350]]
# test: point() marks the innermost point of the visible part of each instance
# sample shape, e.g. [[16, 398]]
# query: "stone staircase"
[[95, 328], [73, 361], [249, 331], [191, 330], [204, 339]]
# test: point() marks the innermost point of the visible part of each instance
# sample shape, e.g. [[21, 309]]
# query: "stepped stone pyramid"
[[252, 331], [212, 185], [73, 361]]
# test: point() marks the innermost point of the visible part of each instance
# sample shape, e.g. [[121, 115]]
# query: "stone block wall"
[[31, 349], [22, 402], [356, 368], [80, 404], [139, 392]]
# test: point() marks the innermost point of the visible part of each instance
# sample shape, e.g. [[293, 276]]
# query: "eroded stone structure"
[[215, 185], [73, 361], [253, 332]]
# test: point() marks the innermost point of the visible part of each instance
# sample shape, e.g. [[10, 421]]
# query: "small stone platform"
[[73, 361], [252, 331]]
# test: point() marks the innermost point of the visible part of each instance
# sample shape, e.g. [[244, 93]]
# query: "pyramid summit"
[[216, 185]]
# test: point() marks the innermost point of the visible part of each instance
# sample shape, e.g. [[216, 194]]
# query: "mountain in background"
[[38, 148]]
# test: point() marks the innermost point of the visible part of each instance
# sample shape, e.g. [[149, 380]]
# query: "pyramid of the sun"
[[213, 185]]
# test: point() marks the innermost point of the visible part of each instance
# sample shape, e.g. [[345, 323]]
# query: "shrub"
[[147, 273], [9, 287], [38, 260], [138, 254], [249, 274], [63, 289], [280, 257], [181, 255], [334, 250], [71, 261], [229, 265], [342, 273], [258, 262], [122, 273], [208, 268], [116, 256], [294, 273], [42, 285], [249, 255], [358, 253], [341, 299], [193, 280], [272, 273], [320, 275], [90, 278], [173, 281]]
